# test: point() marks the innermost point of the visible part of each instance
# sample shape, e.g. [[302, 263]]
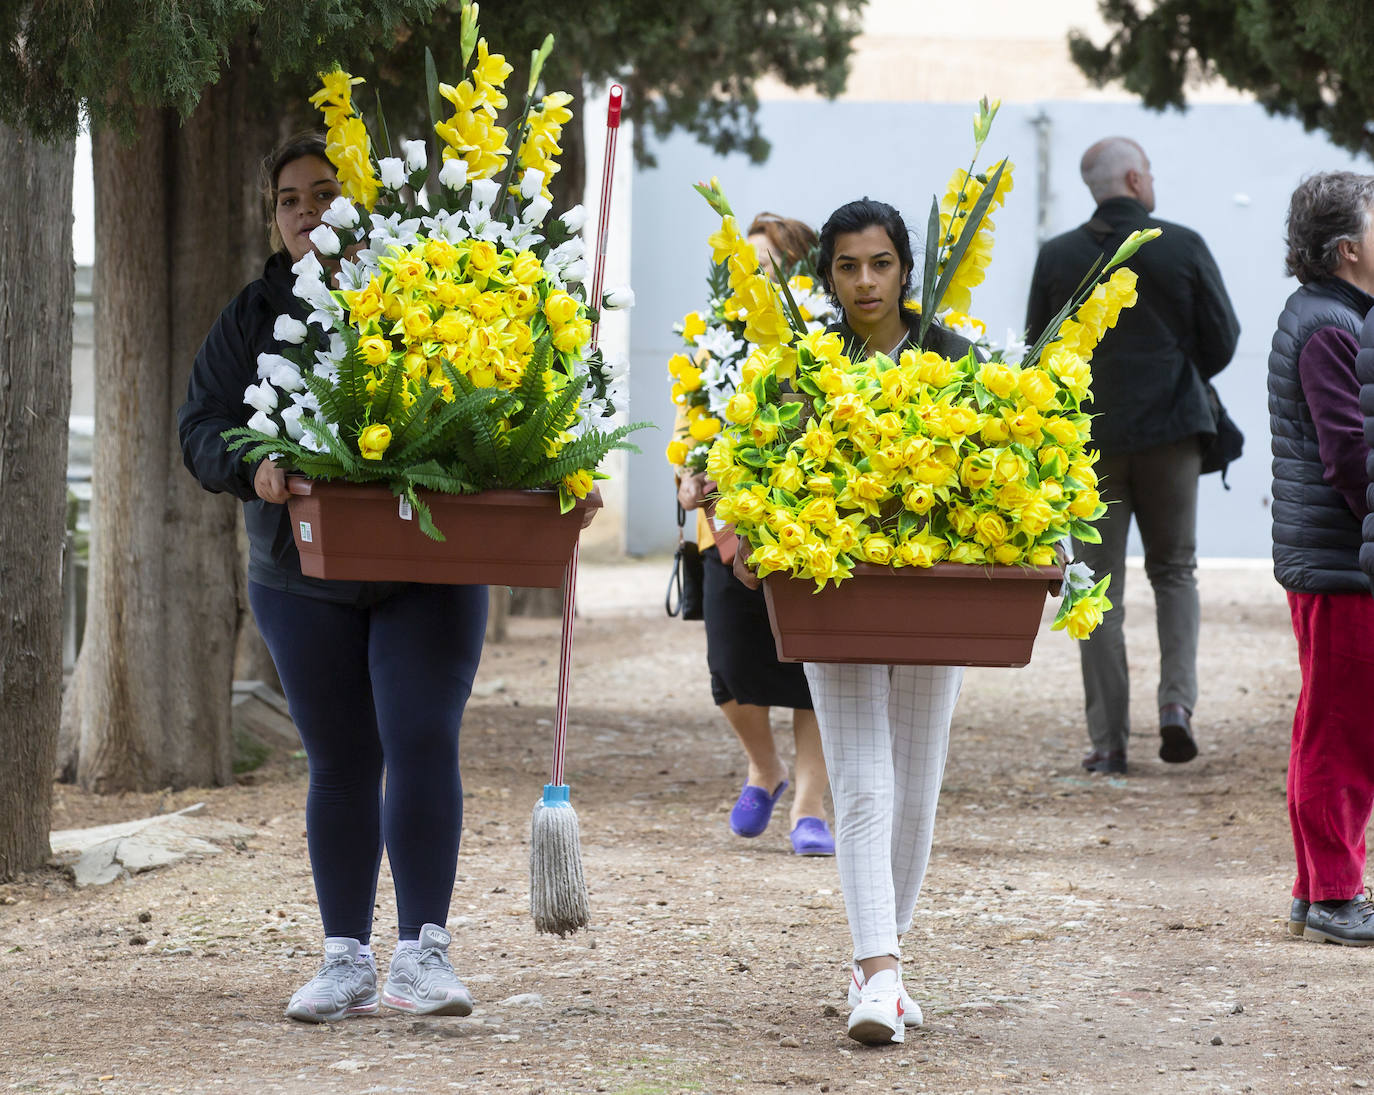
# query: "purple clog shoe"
[[754, 809], [811, 836]]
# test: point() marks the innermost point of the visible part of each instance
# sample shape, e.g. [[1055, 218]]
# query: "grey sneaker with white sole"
[[422, 982], [345, 985]]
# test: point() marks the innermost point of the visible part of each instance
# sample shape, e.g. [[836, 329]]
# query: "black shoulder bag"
[[683, 598], [1226, 441]]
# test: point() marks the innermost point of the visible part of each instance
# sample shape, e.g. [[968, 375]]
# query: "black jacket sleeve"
[[1039, 308], [1216, 330], [224, 367]]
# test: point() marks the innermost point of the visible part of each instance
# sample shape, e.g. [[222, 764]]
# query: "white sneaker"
[[877, 1019], [911, 1011], [345, 985], [421, 980]]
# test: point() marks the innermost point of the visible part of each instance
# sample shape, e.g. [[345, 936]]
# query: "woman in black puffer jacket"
[[1321, 496]]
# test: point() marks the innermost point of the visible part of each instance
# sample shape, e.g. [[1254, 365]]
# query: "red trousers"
[[1331, 764]]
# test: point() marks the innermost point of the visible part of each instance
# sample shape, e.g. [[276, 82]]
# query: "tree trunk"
[[150, 700], [36, 290], [567, 188]]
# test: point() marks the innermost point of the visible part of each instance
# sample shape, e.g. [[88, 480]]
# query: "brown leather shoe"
[[1176, 744], [1111, 762]]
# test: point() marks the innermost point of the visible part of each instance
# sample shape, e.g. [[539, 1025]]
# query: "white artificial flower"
[[287, 329], [287, 377], [392, 170], [485, 192], [576, 271], [1078, 576], [531, 183], [454, 174], [261, 397], [263, 424], [341, 213], [719, 342], [568, 251], [291, 419], [306, 400], [1015, 350], [308, 268], [309, 443], [417, 156], [522, 237], [354, 274], [536, 211], [392, 231], [622, 296], [574, 218], [326, 240], [267, 362]]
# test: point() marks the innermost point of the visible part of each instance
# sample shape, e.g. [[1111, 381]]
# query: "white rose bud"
[[287, 377], [291, 419], [622, 296], [326, 240], [268, 362], [289, 330], [531, 183], [263, 424], [392, 171], [454, 174], [417, 157], [485, 191], [309, 268], [306, 400], [574, 218], [575, 271], [261, 397], [536, 211], [341, 213]]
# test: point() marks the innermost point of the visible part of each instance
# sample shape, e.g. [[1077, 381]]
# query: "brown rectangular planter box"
[[347, 531], [948, 614]]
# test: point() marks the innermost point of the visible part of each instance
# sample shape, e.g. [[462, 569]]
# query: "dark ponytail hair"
[[855, 217], [294, 148]]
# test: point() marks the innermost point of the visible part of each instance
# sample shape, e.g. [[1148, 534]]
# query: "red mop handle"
[[603, 217], [560, 736]]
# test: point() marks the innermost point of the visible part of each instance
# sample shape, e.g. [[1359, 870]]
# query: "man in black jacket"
[[1152, 413]]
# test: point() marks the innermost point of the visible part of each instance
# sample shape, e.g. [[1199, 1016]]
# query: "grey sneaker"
[[346, 985], [422, 982]]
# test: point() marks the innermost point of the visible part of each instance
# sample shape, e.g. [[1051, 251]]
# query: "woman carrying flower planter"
[[746, 677], [376, 674], [885, 728]]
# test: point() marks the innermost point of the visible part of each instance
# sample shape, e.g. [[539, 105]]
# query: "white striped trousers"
[[885, 732]]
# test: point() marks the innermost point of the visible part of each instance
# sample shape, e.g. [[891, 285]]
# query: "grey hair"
[[1326, 209], [1105, 164]]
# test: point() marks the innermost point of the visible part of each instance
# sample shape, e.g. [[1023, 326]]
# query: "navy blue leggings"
[[379, 688]]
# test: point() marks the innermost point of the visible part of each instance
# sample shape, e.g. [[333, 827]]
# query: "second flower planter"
[[948, 614], [353, 532]]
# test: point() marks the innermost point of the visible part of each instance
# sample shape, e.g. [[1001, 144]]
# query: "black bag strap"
[[672, 599]]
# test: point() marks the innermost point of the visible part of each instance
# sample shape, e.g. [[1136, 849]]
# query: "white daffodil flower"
[[261, 397], [392, 170], [263, 424], [531, 183], [326, 240], [416, 154], [341, 213], [291, 419], [287, 377], [484, 192], [622, 296], [574, 218], [454, 174], [288, 329]]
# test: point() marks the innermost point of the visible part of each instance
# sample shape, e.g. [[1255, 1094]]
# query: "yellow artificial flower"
[[704, 428], [742, 406], [373, 441], [998, 378], [1082, 618], [375, 349], [560, 308]]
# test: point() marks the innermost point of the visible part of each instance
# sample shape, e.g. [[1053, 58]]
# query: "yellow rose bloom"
[[560, 308], [375, 349], [704, 428], [1083, 618], [676, 453], [878, 550], [483, 258], [1006, 554], [1035, 516], [970, 554], [922, 550], [1085, 504], [976, 470], [1042, 555], [1009, 467], [526, 269], [998, 378], [919, 498], [373, 441], [990, 529], [742, 406], [1038, 388]]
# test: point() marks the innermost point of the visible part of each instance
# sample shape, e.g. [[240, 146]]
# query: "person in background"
[[1151, 412], [746, 677], [1321, 496], [885, 728], [376, 674]]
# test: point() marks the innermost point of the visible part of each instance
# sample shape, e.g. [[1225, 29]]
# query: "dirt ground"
[[1076, 934]]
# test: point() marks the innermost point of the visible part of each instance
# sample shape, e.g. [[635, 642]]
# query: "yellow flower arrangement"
[[449, 344], [828, 461]]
